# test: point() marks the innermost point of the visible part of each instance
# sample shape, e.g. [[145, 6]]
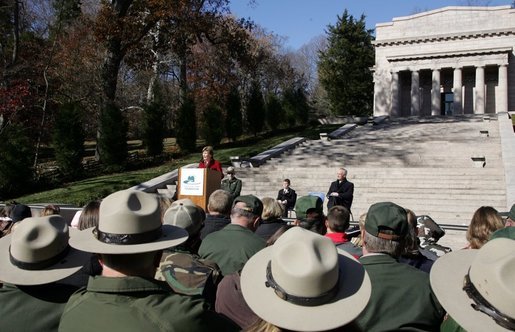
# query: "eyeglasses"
[[481, 304]]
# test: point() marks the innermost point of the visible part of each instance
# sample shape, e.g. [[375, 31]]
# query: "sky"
[[301, 20]]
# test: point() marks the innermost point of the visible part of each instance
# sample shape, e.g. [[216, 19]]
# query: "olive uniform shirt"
[[401, 298], [138, 304], [33, 308], [231, 247]]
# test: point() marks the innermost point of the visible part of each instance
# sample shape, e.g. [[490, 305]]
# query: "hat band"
[[391, 237], [41, 264], [299, 300], [482, 304], [137, 238]]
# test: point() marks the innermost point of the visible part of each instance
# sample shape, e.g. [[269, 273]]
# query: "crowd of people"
[[135, 261]]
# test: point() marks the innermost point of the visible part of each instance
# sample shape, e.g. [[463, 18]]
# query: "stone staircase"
[[424, 164]]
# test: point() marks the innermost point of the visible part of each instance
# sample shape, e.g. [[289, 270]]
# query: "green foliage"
[[255, 109], [274, 112], [289, 105], [212, 129], [186, 127], [68, 140], [344, 67], [112, 142], [154, 124], [233, 117], [302, 106], [16, 161]]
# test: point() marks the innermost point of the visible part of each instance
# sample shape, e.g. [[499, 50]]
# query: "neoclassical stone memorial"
[[448, 61]]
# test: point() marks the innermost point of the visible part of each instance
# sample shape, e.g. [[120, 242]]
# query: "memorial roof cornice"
[[444, 37], [448, 54]]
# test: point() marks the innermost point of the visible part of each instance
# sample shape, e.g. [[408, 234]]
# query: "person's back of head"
[[411, 241], [220, 202], [246, 211], [309, 214], [272, 209], [386, 228], [185, 214], [50, 209], [89, 215], [139, 264], [20, 212], [485, 221], [338, 219]]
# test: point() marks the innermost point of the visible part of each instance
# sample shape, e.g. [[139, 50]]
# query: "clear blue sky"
[[301, 20]]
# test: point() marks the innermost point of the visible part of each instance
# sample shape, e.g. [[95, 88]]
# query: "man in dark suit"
[[287, 197], [341, 191]]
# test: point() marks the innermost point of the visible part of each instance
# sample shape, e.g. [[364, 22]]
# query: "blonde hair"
[[357, 240], [262, 326], [271, 208], [50, 210], [485, 221]]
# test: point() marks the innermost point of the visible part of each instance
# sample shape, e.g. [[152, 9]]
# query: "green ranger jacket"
[[231, 247], [233, 186], [33, 308], [401, 299], [138, 304]]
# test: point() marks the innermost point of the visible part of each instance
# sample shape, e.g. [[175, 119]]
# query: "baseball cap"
[[253, 203], [187, 216], [387, 220], [306, 203]]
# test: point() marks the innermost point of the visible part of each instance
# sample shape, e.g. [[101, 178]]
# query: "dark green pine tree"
[[16, 161], [255, 109], [274, 112], [154, 123], [233, 116], [213, 130], [113, 139], [186, 128], [68, 140], [344, 67]]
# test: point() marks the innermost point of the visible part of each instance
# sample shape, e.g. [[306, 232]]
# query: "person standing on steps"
[[341, 191]]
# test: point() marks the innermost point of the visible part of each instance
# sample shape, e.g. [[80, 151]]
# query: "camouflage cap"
[[507, 232], [306, 203], [253, 203], [185, 215], [511, 214], [387, 220]]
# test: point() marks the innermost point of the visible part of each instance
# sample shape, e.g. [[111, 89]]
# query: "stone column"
[[480, 91], [395, 111], [435, 93], [457, 91], [415, 93], [501, 98]]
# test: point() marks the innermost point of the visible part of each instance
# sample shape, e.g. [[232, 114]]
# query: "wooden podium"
[[197, 184]]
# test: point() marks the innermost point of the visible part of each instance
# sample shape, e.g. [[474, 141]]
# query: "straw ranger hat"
[[129, 222], [475, 286], [37, 252], [303, 283]]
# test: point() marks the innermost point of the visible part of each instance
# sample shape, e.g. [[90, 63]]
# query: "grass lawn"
[[80, 192]]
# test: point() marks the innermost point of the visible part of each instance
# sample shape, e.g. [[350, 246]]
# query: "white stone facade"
[[453, 60]]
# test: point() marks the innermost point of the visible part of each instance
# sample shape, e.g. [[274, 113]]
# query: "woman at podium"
[[208, 160]]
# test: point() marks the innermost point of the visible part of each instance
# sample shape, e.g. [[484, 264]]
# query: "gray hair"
[[378, 245], [344, 171]]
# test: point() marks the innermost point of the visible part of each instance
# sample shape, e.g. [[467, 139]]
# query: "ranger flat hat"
[[129, 222]]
